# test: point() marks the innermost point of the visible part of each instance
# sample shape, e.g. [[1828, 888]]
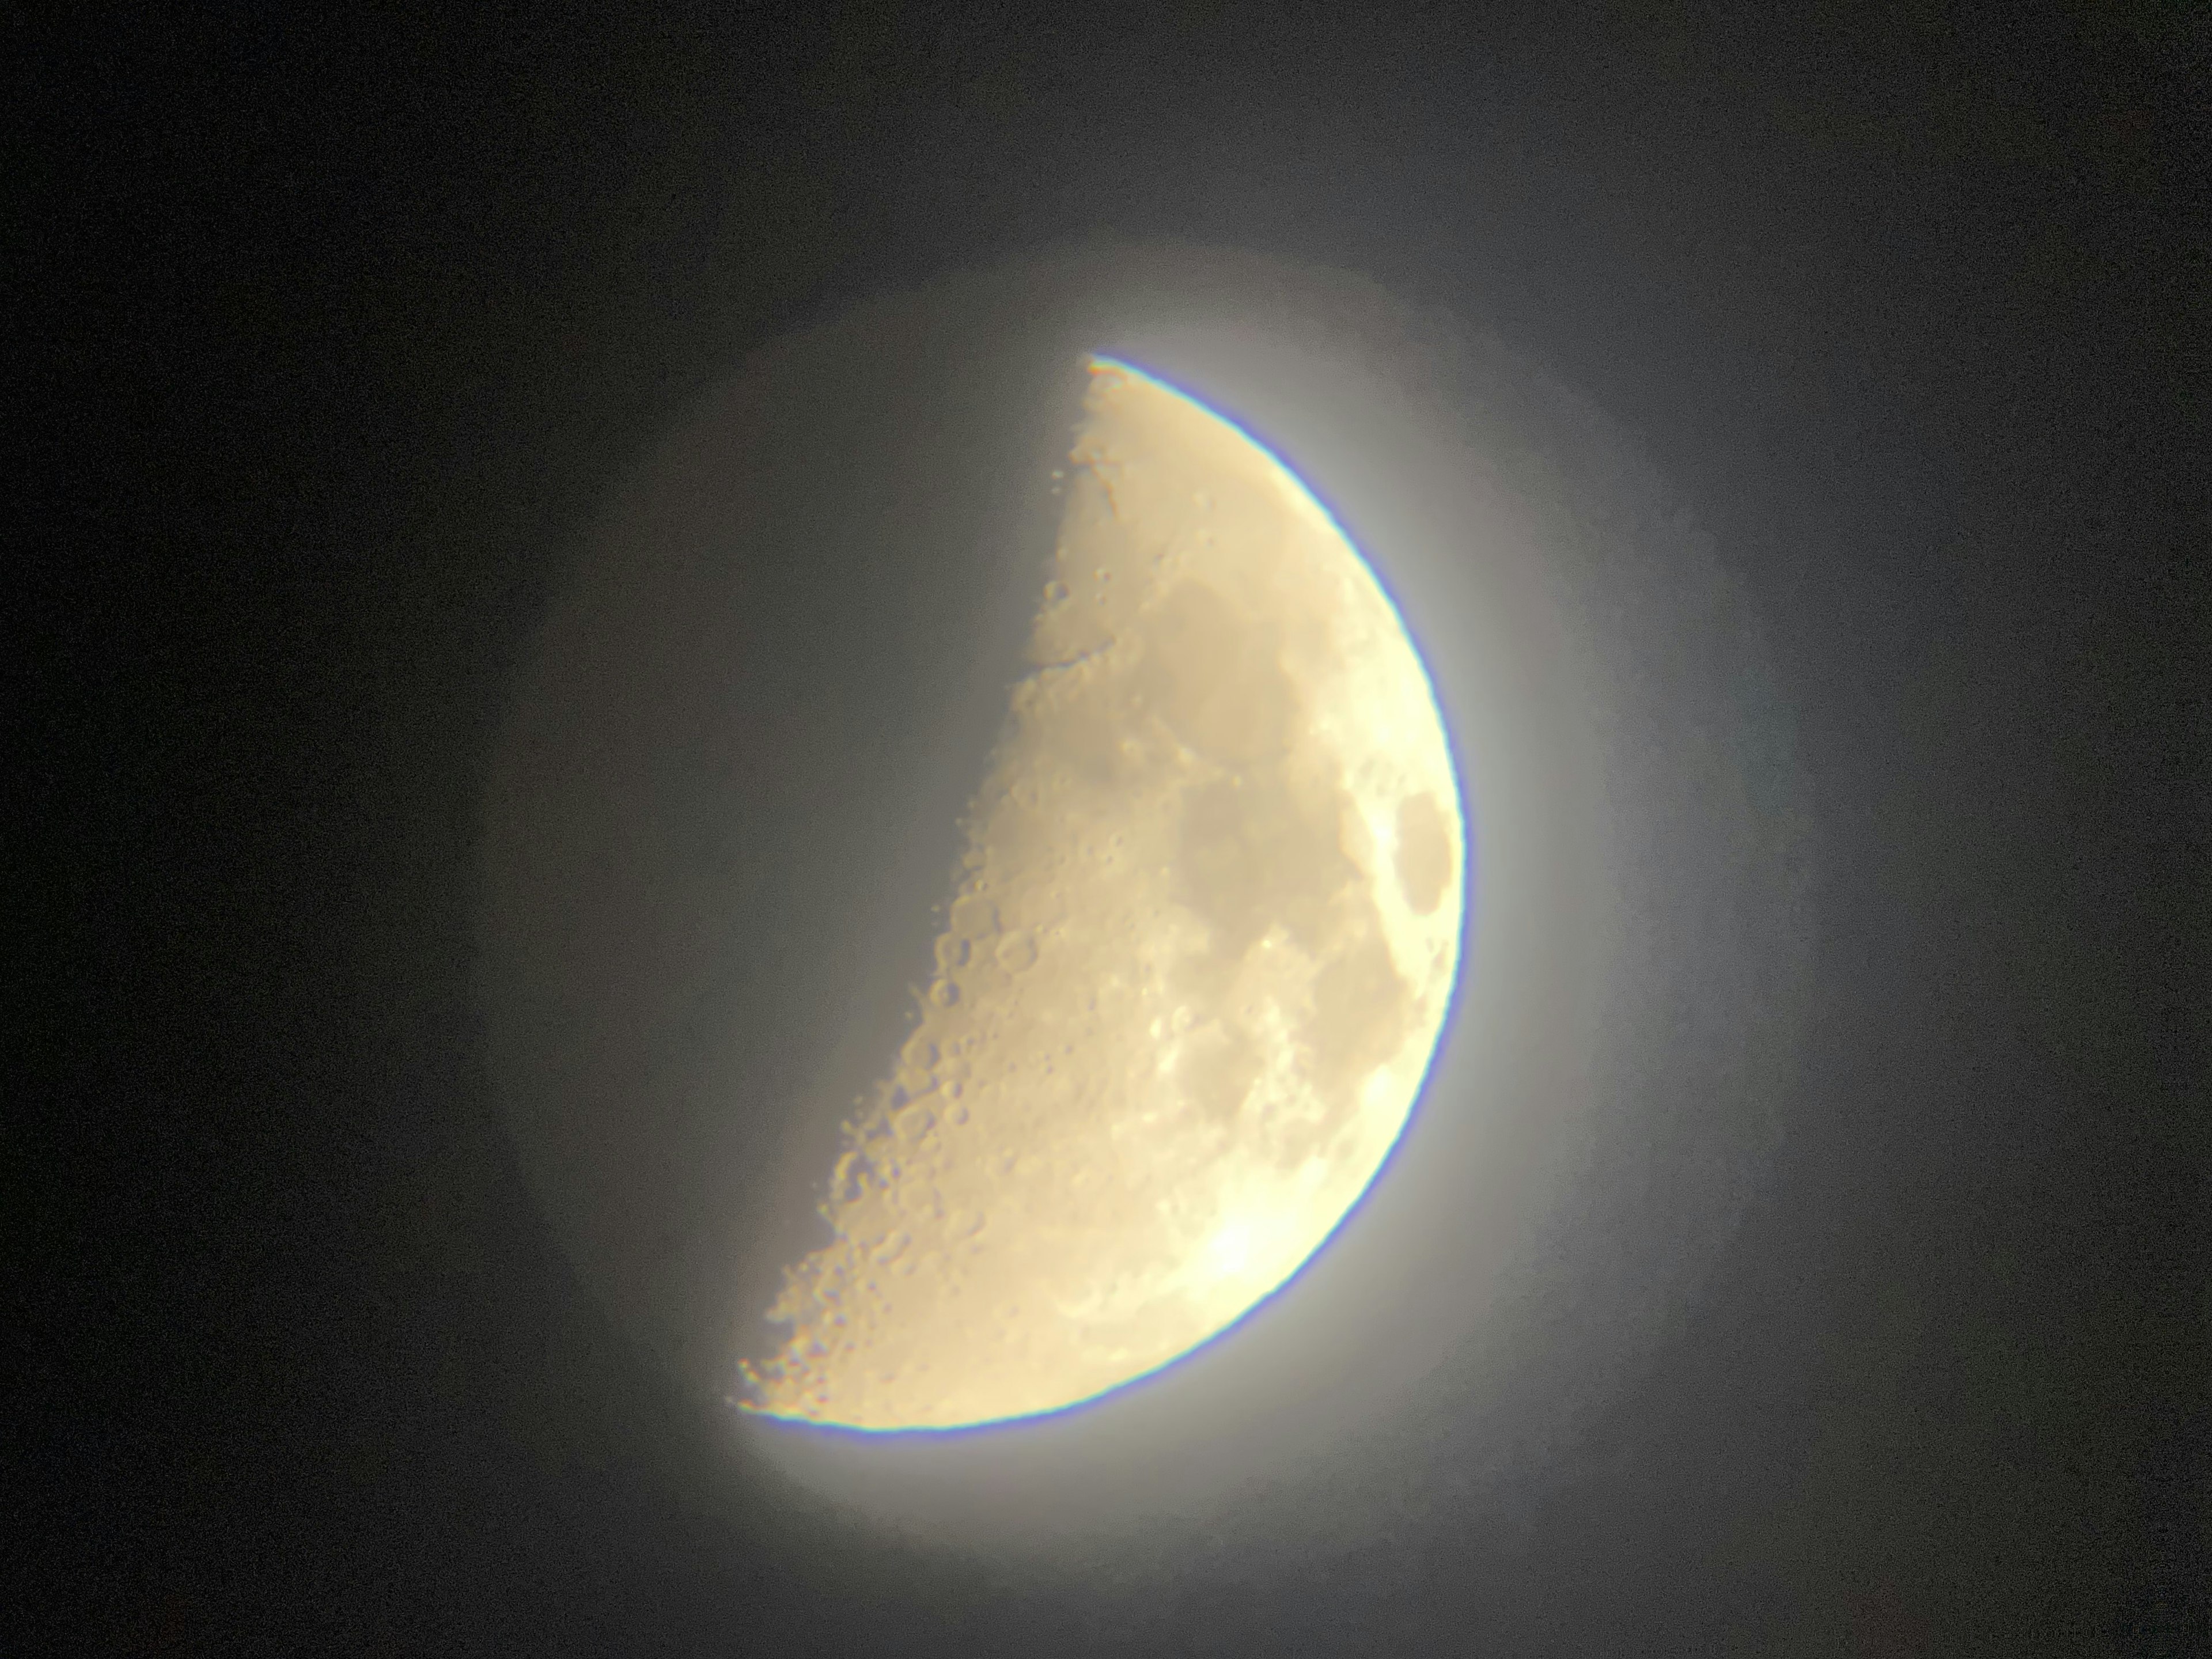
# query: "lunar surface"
[[1195, 959]]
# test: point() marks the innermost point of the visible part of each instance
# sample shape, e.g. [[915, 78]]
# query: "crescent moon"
[[1196, 957]]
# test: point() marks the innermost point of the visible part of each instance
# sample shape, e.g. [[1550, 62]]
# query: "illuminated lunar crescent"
[[1200, 950]]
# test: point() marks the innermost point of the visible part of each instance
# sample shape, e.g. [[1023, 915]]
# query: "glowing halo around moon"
[[1200, 950]]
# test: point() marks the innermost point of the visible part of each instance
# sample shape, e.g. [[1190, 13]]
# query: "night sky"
[[330, 335]]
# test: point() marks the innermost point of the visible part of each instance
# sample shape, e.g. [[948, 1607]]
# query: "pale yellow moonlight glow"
[[1197, 953]]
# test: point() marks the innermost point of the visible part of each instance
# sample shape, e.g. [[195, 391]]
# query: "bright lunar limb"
[[1197, 953]]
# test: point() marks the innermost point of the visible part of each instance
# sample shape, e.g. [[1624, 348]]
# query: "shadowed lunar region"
[[1199, 954]]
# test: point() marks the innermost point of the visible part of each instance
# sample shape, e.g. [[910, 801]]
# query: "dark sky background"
[[328, 332]]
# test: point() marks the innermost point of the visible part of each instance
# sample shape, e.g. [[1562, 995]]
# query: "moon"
[[1193, 963]]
